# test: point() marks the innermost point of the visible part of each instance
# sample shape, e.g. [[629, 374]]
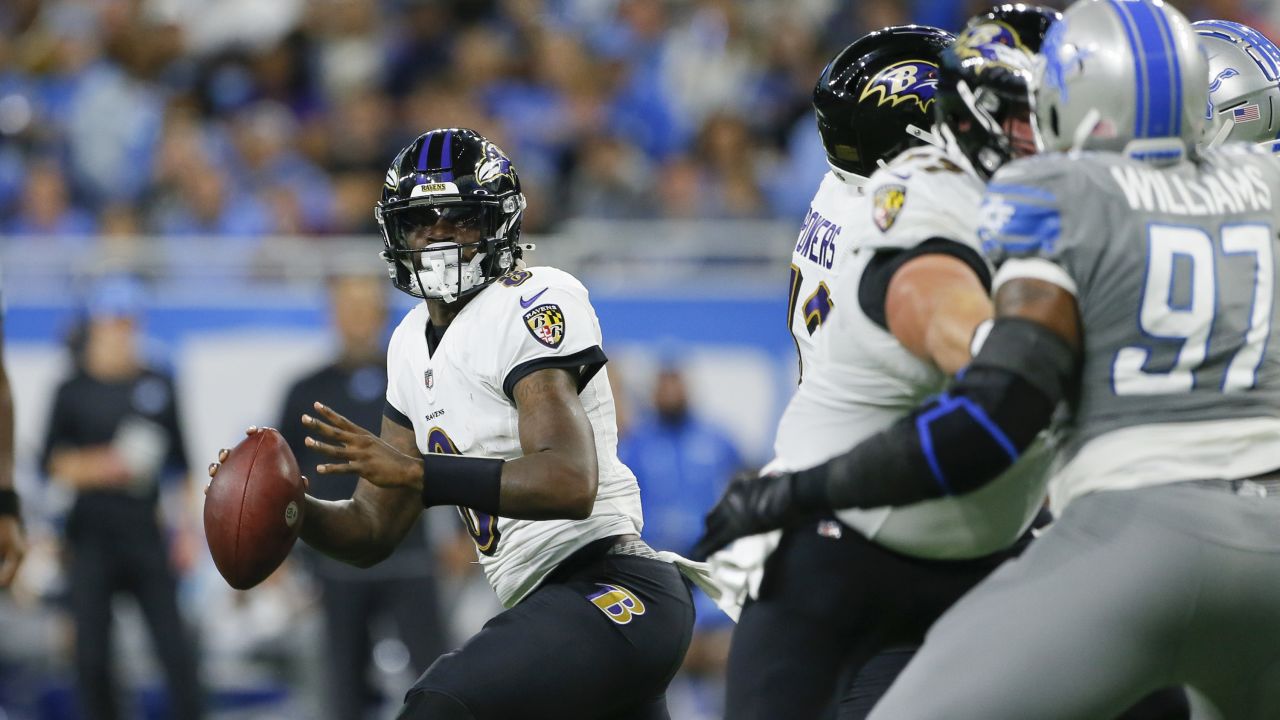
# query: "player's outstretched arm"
[[952, 445], [933, 305], [365, 529], [555, 478], [966, 437]]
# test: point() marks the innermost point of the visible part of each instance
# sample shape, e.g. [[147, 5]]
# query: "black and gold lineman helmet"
[[873, 100], [450, 215], [985, 86]]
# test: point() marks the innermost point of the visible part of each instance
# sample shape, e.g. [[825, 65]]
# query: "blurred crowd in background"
[[243, 119], [246, 119]]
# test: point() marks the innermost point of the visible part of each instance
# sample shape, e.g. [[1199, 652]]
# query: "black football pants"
[[600, 641]]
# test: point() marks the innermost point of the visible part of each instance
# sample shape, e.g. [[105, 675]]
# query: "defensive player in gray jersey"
[[1137, 284]]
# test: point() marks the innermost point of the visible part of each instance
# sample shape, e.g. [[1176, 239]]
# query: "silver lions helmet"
[[1122, 76], [1244, 84]]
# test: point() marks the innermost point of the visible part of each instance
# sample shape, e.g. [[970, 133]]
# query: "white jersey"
[[819, 257], [858, 379], [458, 400]]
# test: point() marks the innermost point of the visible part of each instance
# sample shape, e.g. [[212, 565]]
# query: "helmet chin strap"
[[951, 147], [1084, 130], [1221, 136], [930, 136]]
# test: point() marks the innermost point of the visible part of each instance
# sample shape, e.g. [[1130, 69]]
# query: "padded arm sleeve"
[[960, 440]]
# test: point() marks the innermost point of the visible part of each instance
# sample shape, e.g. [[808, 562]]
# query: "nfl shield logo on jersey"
[[546, 324], [429, 378], [887, 203]]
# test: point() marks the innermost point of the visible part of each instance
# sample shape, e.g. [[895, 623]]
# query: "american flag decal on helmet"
[[1245, 114]]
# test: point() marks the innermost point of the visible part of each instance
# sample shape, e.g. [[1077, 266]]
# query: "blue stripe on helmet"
[[1167, 32], [1267, 51], [1267, 56], [446, 157], [422, 154], [1159, 57], [1139, 70]]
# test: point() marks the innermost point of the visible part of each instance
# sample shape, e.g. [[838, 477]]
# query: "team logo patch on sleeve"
[[546, 324], [617, 602], [886, 204]]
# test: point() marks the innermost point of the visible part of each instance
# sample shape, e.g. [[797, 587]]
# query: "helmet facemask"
[[985, 105], [1005, 127], [448, 248]]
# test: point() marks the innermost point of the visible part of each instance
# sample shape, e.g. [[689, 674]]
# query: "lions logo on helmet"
[[1226, 74], [1062, 60], [903, 82]]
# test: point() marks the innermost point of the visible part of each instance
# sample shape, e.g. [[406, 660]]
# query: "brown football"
[[253, 509]]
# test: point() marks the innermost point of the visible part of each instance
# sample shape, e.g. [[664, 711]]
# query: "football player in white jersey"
[[497, 402], [887, 288]]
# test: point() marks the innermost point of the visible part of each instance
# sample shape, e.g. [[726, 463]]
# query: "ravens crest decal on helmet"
[[904, 81]]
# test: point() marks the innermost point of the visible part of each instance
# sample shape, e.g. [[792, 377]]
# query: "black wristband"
[[470, 482], [9, 504]]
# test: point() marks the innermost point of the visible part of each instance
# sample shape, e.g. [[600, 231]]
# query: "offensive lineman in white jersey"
[[509, 416], [887, 288]]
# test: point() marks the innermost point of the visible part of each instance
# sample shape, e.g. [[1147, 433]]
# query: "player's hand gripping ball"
[[253, 507]]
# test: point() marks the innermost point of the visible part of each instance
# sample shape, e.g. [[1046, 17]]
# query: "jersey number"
[[482, 527], [816, 307], [1192, 320]]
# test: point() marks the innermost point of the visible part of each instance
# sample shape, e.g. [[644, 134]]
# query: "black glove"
[[750, 505]]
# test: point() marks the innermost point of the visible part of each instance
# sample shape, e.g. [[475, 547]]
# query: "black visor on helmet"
[[413, 227]]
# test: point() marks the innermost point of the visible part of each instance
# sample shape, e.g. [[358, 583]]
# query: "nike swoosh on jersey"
[[526, 303]]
